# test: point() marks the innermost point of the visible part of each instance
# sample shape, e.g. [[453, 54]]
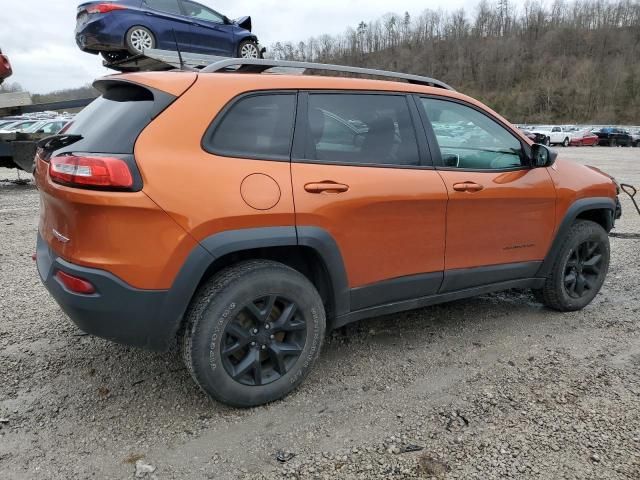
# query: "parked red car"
[[584, 138], [5, 67]]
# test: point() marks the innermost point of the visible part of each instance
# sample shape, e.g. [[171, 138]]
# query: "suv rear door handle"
[[467, 187], [326, 186]]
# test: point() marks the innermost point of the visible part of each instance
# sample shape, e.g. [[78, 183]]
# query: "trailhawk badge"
[[60, 236]]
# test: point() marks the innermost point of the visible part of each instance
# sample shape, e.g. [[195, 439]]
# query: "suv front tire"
[[253, 333], [579, 269]]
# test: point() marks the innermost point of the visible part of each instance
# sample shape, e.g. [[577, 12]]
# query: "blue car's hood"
[[243, 22]]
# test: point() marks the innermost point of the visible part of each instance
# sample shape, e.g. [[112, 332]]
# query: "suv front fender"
[[573, 212]]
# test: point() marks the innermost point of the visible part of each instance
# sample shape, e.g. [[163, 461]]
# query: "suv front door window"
[[470, 140]]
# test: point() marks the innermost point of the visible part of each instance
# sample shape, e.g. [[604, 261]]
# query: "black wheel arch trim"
[[578, 207], [234, 241], [325, 245]]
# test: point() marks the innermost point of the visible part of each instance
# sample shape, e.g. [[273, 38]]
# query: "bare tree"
[[570, 61]]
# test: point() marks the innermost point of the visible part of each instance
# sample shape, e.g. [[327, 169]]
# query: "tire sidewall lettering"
[[310, 357], [218, 330]]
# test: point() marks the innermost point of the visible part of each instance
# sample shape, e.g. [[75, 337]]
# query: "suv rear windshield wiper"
[[56, 142]]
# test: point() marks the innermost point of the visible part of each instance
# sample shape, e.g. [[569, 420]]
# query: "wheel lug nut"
[[267, 326], [263, 347], [255, 330], [253, 344], [272, 337]]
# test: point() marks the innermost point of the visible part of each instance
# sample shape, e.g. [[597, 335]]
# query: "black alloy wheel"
[[253, 332], [583, 269], [579, 268], [264, 341]]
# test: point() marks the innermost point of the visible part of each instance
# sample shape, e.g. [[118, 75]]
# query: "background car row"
[[579, 136], [49, 126]]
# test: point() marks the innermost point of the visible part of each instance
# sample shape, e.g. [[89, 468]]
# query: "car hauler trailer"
[[17, 150]]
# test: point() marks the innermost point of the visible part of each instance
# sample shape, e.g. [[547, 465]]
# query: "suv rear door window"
[[360, 129], [469, 139], [257, 126]]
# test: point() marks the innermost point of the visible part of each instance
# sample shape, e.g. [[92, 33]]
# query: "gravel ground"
[[490, 387]]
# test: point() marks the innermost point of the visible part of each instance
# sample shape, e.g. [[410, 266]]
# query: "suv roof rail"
[[250, 65]]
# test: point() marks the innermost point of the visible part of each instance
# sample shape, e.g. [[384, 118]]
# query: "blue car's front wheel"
[[248, 49], [140, 39]]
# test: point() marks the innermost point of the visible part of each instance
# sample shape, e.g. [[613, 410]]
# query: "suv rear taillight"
[[105, 8], [91, 172]]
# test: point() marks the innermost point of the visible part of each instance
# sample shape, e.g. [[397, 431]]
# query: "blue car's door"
[[165, 19], [210, 33]]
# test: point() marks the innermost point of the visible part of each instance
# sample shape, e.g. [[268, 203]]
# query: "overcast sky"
[[38, 36]]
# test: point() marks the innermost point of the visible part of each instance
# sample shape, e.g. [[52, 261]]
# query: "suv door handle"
[[467, 187], [326, 187]]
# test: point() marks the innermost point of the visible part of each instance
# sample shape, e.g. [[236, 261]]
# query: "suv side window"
[[556, 129], [256, 126], [360, 129], [200, 12], [468, 139], [169, 6]]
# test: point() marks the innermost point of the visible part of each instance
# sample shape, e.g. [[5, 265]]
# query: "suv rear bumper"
[[117, 311]]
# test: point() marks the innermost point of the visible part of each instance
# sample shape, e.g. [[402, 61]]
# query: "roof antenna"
[[175, 39]]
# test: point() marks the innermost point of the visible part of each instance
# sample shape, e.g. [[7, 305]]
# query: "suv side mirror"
[[542, 156]]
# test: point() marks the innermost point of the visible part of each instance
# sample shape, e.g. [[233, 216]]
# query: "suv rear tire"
[[579, 269], [253, 333]]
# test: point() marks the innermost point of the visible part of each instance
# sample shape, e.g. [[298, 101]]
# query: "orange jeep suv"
[[242, 214]]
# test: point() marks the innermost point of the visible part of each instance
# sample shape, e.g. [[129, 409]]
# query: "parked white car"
[[555, 135]]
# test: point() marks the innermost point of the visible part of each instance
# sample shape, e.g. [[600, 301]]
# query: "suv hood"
[[596, 169], [243, 22]]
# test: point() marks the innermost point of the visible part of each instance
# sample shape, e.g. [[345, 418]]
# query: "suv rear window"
[[258, 126], [113, 121]]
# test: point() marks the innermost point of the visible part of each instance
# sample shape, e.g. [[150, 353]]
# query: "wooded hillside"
[[575, 62]]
